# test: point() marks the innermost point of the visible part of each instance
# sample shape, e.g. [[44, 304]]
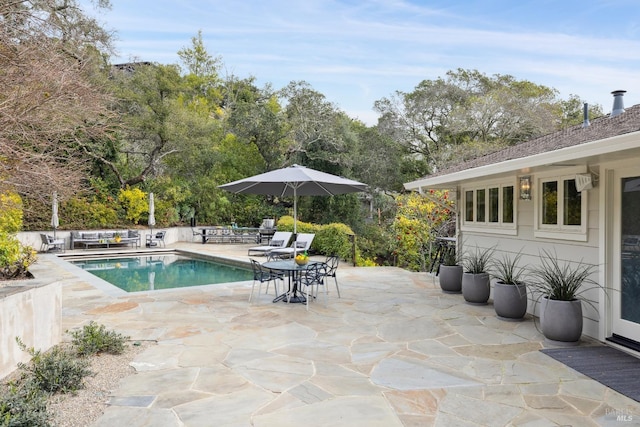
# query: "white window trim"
[[559, 231], [499, 227]]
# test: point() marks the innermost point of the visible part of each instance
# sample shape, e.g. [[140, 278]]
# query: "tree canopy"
[[72, 122]]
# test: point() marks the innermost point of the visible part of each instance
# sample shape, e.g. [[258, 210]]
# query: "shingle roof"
[[600, 128]]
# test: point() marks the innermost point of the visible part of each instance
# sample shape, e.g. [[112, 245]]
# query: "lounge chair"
[[302, 244], [51, 244], [279, 240], [156, 238]]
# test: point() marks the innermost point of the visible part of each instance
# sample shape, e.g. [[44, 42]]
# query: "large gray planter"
[[476, 287], [510, 301], [561, 321], [450, 278]]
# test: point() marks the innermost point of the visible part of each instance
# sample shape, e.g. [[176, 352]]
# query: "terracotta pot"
[[561, 321], [476, 287], [450, 278], [510, 301]]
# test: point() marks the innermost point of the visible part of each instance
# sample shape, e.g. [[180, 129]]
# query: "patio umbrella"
[[55, 222], [152, 208], [294, 181]]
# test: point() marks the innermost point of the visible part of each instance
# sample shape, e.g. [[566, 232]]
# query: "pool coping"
[[63, 261]]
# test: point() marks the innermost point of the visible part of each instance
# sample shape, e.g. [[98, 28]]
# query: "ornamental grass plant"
[[479, 260], [562, 281], [507, 269]]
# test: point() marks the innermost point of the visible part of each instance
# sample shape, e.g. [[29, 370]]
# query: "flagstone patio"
[[393, 351]]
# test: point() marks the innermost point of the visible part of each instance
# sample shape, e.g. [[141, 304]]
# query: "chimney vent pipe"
[[585, 123], [618, 103]]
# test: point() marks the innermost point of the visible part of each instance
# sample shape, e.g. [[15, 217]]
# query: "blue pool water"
[[166, 271]]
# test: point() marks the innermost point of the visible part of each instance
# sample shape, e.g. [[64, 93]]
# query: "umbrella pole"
[[295, 222]]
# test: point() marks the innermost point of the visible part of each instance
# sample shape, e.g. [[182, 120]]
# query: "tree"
[[313, 125], [466, 114], [572, 111], [156, 124], [50, 102]]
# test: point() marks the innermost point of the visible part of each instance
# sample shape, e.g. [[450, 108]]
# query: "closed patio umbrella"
[[152, 209], [55, 222], [294, 181]]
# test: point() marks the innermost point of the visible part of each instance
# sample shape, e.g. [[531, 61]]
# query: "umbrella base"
[[295, 298]]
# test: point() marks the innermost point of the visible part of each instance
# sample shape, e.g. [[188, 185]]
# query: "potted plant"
[[560, 288], [510, 290], [450, 272], [476, 282]]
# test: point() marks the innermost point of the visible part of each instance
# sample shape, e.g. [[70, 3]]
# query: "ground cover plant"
[[62, 369]]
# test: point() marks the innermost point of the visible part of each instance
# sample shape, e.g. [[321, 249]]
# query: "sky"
[[357, 52]]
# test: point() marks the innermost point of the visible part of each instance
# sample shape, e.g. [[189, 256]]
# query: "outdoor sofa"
[[106, 239]]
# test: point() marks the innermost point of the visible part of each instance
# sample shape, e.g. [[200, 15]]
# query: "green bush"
[[57, 370], [21, 405], [94, 338], [79, 213], [373, 242], [10, 213], [134, 202], [333, 239], [15, 258]]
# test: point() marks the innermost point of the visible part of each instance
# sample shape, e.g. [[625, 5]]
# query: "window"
[[494, 204], [561, 209], [507, 204], [491, 206], [468, 205], [481, 205]]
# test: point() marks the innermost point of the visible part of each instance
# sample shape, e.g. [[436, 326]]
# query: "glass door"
[[626, 297]]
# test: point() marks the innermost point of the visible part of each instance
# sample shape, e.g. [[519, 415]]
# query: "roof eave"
[[581, 152]]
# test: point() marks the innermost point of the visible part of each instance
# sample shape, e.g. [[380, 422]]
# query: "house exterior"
[[574, 193]]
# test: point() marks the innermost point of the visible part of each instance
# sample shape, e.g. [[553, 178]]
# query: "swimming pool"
[[150, 272]]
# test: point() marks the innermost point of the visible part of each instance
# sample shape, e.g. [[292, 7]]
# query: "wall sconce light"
[[525, 187]]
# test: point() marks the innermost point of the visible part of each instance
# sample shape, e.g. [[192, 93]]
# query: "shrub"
[[419, 220], [15, 258], [21, 405], [10, 213], [334, 239], [82, 214], [57, 370], [134, 202], [94, 338]]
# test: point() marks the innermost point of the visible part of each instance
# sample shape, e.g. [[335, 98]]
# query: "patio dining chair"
[[331, 263], [263, 275], [197, 234], [314, 276]]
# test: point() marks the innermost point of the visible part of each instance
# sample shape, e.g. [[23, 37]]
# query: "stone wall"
[[31, 310]]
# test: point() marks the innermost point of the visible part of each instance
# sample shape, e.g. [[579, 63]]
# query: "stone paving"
[[393, 351]]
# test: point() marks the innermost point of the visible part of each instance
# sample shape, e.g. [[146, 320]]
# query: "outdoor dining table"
[[293, 271]]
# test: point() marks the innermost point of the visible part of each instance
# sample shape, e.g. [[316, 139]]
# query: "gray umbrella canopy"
[[295, 181]]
